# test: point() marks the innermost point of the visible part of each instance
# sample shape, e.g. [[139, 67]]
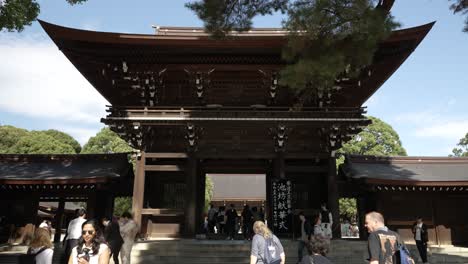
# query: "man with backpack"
[[384, 246]]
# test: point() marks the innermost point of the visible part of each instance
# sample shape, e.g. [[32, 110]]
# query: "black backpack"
[[30, 258]]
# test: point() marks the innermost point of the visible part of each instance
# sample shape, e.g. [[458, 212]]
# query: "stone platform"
[[238, 251]]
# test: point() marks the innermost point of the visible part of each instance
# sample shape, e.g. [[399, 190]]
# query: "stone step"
[[238, 251]]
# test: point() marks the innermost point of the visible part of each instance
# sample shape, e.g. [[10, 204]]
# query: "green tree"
[[37, 142], [462, 149], [64, 138], [106, 141], [348, 208], [122, 204], [16, 14], [461, 6], [379, 139], [209, 186], [9, 136]]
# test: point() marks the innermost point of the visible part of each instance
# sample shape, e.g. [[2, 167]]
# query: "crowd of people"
[[87, 241], [229, 223]]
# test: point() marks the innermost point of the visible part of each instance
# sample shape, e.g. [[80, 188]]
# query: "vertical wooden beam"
[[139, 188], [201, 186], [279, 166], [361, 214], [104, 204], [191, 196], [272, 173], [59, 220], [333, 197], [91, 205]]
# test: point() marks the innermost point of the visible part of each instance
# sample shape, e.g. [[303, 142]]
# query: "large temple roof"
[[63, 169], [407, 171], [180, 49]]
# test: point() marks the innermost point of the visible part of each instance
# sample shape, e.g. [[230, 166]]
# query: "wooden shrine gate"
[[188, 103]]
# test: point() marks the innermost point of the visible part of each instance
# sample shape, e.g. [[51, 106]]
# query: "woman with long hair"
[[91, 248], [262, 238], [41, 246]]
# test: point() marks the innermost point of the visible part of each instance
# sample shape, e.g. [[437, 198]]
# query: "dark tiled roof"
[[406, 169], [64, 167]]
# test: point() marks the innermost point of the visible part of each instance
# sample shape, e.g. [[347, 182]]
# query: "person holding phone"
[[91, 248]]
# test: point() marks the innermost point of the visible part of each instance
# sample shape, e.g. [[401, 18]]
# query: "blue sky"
[[424, 101]]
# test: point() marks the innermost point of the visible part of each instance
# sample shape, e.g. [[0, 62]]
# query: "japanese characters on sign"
[[281, 205]]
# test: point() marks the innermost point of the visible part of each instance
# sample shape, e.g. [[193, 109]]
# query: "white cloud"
[[418, 118], [38, 81], [453, 130]]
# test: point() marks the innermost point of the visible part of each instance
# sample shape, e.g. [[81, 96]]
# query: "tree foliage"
[[122, 205], [209, 187], [461, 6], [106, 141], [462, 149], [9, 136], [379, 139], [221, 17], [16, 14], [15, 140], [348, 208], [328, 38], [37, 142], [64, 138]]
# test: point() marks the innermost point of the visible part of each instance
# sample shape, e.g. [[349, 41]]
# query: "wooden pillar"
[[59, 220], [139, 188], [201, 186], [361, 214], [191, 196], [279, 166], [104, 205], [91, 206], [269, 196], [333, 197]]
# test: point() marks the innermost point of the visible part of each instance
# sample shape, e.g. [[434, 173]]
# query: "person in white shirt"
[[41, 246], [326, 220], [91, 247], [74, 231], [128, 231]]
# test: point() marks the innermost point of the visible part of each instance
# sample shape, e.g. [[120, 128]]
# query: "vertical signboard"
[[282, 208]]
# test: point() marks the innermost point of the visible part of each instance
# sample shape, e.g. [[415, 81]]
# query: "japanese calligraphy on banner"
[[282, 208]]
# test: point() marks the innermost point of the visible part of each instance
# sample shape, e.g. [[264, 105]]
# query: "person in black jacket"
[[231, 217], [306, 232], [421, 237], [113, 237]]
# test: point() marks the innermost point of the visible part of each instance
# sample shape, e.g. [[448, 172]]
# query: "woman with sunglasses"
[[91, 248]]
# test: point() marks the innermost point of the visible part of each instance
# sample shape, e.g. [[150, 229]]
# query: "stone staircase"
[[238, 251]]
